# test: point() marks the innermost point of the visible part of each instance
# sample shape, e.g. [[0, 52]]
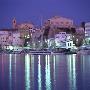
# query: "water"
[[44, 72]]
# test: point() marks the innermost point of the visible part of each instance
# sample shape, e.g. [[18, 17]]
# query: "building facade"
[[87, 33], [10, 37], [63, 40], [59, 22]]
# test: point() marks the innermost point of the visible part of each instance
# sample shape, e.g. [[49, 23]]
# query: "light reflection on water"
[[27, 72], [10, 72], [39, 73], [47, 73], [72, 71], [44, 72]]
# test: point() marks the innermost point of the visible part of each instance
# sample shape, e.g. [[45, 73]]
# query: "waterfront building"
[[57, 30], [26, 30], [10, 37], [4, 38], [17, 40], [36, 39], [87, 29], [87, 33], [63, 40], [58, 24]]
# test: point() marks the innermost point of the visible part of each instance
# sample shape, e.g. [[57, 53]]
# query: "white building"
[[63, 40], [87, 29], [87, 33]]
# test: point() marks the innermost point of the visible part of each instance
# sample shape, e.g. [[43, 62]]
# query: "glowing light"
[[28, 36], [77, 40], [11, 47], [31, 34]]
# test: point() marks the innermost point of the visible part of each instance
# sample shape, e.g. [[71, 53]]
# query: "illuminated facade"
[[26, 30], [4, 35], [87, 29], [87, 33], [58, 24], [63, 40], [17, 41], [10, 37]]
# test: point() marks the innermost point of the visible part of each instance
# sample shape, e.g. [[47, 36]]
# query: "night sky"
[[33, 10]]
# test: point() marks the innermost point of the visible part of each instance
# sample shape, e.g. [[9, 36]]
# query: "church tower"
[[14, 23]]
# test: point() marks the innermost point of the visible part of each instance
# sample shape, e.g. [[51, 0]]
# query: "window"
[[67, 22], [89, 41], [68, 44]]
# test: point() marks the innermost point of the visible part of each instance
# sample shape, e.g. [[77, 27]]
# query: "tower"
[[14, 23]]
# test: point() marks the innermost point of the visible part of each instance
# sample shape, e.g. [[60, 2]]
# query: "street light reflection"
[[47, 71], [72, 71], [27, 72], [39, 73], [10, 71]]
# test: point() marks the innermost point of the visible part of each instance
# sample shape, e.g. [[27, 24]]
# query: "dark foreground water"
[[44, 72]]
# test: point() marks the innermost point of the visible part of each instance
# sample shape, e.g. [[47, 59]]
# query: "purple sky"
[[32, 10]]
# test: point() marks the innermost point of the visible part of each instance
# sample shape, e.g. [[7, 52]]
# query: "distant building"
[[59, 22]]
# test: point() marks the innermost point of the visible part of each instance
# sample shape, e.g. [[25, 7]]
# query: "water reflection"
[[39, 74], [44, 72], [27, 72], [54, 74], [10, 71], [72, 71], [47, 70]]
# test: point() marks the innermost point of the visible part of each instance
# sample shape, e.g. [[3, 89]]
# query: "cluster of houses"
[[57, 32]]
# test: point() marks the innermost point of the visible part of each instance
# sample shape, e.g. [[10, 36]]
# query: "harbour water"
[[44, 72]]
